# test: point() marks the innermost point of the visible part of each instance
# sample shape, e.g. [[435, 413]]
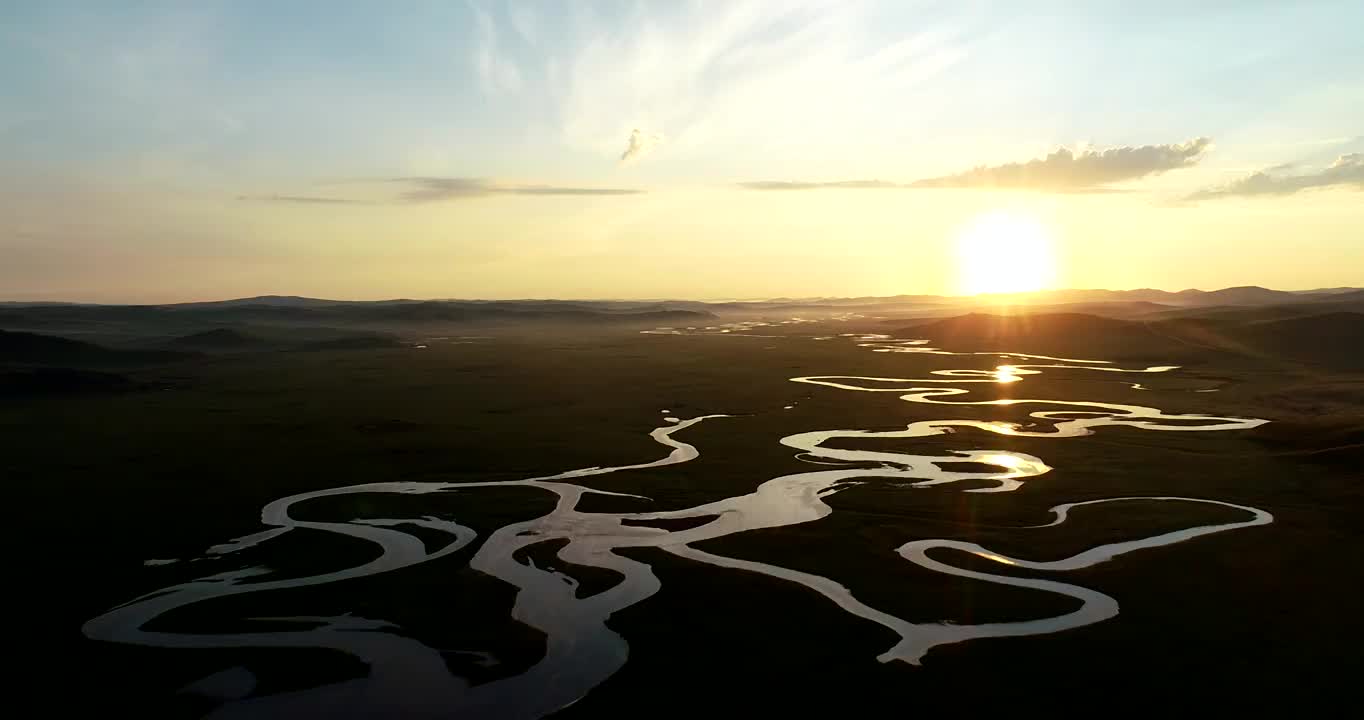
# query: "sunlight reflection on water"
[[408, 678]]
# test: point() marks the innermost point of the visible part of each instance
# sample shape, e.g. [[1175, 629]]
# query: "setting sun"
[[1002, 252]]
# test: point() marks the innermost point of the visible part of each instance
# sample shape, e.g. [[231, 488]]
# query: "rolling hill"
[[1078, 335], [1332, 340], [218, 339], [195, 319], [27, 348]]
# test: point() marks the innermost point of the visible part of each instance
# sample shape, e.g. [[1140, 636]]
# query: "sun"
[[1005, 252]]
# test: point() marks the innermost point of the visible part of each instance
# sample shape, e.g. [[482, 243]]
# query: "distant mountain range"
[[280, 321], [1322, 327], [1245, 295], [1242, 295]]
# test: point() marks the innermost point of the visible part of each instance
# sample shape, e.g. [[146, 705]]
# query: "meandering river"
[[407, 678]]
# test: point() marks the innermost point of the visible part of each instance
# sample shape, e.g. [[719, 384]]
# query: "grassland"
[[186, 454]]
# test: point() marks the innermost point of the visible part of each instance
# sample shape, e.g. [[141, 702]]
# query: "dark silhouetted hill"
[[1241, 314], [1076, 335], [192, 319], [1327, 291], [1243, 295], [35, 349], [264, 300], [1332, 340], [218, 339], [1113, 309], [354, 342]]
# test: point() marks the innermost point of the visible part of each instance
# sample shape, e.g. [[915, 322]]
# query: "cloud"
[[300, 199], [738, 78], [1347, 172], [640, 145], [1086, 171], [497, 72], [526, 21], [429, 189], [1063, 171], [434, 189]]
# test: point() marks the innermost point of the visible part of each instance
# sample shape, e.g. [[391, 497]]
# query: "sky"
[[175, 151]]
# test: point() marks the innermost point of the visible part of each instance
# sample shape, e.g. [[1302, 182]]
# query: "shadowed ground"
[[185, 458]]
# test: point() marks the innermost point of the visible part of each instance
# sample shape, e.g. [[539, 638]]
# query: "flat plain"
[[185, 453]]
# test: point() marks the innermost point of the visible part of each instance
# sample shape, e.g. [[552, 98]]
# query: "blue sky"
[[114, 105]]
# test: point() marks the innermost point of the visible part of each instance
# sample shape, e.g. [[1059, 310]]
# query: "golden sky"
[[729, 150]]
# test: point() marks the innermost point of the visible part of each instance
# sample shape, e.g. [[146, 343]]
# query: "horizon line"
[[664, 298]]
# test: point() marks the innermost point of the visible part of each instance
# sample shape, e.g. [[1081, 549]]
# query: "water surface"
[[407, 678]]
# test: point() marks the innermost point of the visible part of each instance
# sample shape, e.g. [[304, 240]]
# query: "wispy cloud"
[[1346, 172], [497, 73], [428, 189], [526, 20], [640, 144], [300, 199], [1063, 171], [735, 77], [434, 189], [1068, 171]]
